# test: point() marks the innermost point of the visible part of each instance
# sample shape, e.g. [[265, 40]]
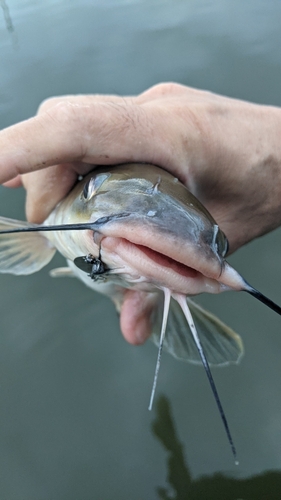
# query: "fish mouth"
[[135, 261], [167, 262], [173, 243]]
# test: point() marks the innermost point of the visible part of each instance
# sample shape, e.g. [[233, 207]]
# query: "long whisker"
[[182, 302], [167, 298], [95, 225], [262, 298], [62, 227]]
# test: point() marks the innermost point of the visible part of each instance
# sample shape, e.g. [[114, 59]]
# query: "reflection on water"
[[217, 486], [9, 23], [7, 16], [178, 477]]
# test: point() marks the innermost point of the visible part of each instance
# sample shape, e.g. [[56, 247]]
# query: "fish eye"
[[226, 247], [92, 186], [88, 189], [222, 244]]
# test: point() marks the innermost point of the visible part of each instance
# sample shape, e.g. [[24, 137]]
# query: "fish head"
[[148, 226]]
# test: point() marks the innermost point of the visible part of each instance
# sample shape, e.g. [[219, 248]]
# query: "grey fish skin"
[[165, 226], [147, 214], [158, 204]]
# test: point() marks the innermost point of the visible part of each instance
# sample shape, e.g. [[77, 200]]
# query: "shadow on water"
[[217, 486]]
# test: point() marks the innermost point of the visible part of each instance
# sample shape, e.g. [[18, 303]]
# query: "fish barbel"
[[136, 226]]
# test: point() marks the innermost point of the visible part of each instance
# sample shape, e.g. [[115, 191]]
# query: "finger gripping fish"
[[135, 226]]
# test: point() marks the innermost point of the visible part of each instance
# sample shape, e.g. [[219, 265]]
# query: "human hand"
[[226, 151]]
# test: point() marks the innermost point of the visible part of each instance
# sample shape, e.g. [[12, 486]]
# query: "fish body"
[[150, 225], [137, 227]]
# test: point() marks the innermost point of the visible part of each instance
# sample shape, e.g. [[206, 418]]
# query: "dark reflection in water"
[[9, 23], [217, 486], [7, 16]]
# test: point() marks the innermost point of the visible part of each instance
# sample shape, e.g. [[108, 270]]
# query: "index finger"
[[97, 133], [76, 132]]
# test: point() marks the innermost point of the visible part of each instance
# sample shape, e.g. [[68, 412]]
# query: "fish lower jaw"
[[143, 267]]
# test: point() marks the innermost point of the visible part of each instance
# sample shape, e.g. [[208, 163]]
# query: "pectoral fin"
[[23, 253], [219, 342]]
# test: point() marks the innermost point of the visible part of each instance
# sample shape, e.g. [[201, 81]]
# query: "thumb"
[[136, 312]]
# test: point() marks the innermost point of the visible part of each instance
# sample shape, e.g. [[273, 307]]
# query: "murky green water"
[[73, 395]]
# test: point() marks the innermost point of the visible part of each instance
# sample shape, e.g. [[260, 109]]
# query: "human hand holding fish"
[[226, 151], [135, 229]]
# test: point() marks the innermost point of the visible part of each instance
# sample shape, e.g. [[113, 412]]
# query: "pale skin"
[[226, 151]]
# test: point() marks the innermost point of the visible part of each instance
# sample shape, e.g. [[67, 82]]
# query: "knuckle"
[[48, 103], [169, 88], [63, 112], [163, 89]]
